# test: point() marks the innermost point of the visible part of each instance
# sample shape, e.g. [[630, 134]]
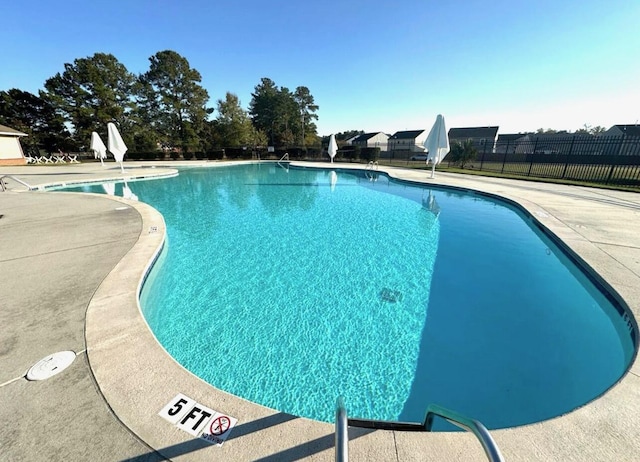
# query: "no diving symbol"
[[219, 425]]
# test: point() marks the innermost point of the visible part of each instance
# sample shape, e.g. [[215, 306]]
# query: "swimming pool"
[[291, 288]]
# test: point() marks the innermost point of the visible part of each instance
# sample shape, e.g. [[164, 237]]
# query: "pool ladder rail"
[[471, 425], [285, 159], [369, 169], [3, 184]]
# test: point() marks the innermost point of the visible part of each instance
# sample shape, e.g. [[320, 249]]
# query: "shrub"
[[462, 153], [238, 153], [217, 154], [349, 152], [370, 154]]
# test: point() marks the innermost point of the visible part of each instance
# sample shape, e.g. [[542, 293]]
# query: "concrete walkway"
[[71, 267]]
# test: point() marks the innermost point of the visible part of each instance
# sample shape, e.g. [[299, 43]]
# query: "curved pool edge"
[[137, 377], [130, 177]]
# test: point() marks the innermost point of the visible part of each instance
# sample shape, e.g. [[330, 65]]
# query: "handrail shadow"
[[291, 454]]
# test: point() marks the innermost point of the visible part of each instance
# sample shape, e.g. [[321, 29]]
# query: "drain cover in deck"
[[51, 365]]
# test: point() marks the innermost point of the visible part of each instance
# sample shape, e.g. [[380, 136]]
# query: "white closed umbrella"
[[98, 147], [116, 145], [437, 143], [333, 147]]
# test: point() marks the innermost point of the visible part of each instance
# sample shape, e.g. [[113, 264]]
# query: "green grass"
[[577, 175]]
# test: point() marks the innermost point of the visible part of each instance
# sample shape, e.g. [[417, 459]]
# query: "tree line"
[[165, 107]]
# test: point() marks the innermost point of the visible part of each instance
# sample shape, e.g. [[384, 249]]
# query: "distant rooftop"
[[365, 137], [473, 132], [408, 134], [630, 130]]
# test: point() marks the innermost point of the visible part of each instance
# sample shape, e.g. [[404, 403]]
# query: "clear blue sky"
[[373, 66]]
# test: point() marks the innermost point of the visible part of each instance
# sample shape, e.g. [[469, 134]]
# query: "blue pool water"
[[289, 288]]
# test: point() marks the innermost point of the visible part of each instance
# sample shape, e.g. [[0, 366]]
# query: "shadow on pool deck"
[[299, 452]]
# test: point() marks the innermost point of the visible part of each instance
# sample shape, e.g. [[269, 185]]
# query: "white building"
[[410, 141], [10, 149], [372, 140]]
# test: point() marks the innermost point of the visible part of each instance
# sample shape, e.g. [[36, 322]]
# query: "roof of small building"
[[366, 136], [511, 136], [407, 134], [473, 132], [6, 131], [630, 130]]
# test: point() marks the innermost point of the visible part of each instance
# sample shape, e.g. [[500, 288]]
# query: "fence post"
[[613, 166], [504, 159], [483, 152], [534, 153], [566, 162]]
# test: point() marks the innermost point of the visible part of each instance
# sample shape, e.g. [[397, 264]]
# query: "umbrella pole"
[[121, 167], [101, 162], [433, 170]]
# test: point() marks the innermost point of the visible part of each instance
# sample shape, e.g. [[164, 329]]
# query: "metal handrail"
[[474, 426], [3, 186], [286, 156], [372, 165], [468, 424], [342, 435]]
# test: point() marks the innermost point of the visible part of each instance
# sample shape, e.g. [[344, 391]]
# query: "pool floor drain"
[[391, 296], [51, 365]]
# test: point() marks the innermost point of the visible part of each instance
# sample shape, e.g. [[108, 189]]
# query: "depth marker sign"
[[218, 429], [198, 420], [177, 408]]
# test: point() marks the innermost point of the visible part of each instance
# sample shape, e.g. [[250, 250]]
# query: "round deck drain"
[[51, 365]]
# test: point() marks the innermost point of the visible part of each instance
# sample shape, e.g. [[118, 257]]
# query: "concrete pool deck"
[[72, 265]]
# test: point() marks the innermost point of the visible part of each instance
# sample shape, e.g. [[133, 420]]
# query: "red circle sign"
[[219, 425]]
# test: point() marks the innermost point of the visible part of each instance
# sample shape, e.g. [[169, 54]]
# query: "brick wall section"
[[17, 161]]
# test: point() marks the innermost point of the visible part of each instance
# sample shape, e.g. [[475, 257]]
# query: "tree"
[[173, 101], [35, 116], [90, 93], [462, 153], [284, 116], [307, 107], [590, 130], [262, 107], [233, 124]]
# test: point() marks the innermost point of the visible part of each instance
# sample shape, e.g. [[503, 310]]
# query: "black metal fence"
[[609, 160]]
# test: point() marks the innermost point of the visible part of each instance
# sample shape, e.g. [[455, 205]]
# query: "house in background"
[[629, 136], [372, 140], [10, 149], [483, 138], [404, 143], [507, 143], [349, 141], [623, 130]]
